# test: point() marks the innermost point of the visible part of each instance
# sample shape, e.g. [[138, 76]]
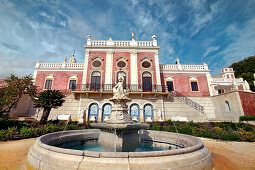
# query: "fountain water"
[[119, 137]]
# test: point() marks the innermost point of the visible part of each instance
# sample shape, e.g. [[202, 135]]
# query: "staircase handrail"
[[188, 101]]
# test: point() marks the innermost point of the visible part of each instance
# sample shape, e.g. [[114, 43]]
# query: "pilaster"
[[109, 67], [157, 69], [133, 67], [85, 71]]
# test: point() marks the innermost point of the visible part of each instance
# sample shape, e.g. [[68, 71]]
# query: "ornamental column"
[[108, 67], [157, 71], [133, 68], [85, 71]]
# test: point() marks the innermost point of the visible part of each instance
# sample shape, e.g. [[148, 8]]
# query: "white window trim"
[[194, 79], [48, 77], [72, 77]]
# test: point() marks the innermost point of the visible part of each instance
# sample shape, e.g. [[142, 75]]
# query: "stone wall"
[[22, 107], [183, 86], [221, 111], [248, 103], [60, 81]]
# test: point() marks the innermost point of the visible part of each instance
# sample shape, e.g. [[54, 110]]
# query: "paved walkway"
[[226, 155], [231, 155]]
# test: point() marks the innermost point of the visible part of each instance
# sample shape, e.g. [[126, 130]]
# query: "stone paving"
[[226, 155]]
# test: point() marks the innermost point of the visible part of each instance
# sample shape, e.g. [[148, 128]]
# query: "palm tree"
[[47, 100]]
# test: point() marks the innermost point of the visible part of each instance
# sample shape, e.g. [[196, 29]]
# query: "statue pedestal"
[[119, 133], [119, 112]]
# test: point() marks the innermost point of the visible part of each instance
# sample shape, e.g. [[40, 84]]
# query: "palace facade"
[[158, 91]]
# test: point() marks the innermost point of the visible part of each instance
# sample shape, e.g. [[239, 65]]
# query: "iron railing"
[[188, 101], [109, 88]]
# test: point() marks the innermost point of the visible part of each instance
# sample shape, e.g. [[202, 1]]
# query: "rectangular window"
[[194, 86], [72, 84], [48, 84], [95, 83], [147, 86], [170, 85]]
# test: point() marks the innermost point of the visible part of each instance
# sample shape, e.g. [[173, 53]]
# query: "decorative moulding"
[[97, 57], [121, 57], [146, 58]]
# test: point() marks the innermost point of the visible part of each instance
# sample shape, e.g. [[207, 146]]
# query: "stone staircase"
[[188, 101]]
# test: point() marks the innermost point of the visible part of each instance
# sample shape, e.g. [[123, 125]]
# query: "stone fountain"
[[119, 133], [119, 137]]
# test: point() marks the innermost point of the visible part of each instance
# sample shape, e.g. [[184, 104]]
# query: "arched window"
[[227, 106], [148, 113], [107, 110], [93, 112], [95, 80], [147, 86], [135, 112], [123, 74]]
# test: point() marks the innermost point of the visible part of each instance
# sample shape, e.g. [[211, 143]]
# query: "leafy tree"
[[13, 89], [246, 70], [47, 100]]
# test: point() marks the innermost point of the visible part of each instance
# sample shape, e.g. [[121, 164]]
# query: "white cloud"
[[210, 50], [49, 17], [243, 44]]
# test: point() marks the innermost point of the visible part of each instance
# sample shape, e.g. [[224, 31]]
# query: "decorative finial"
[[72, 59], [65, 59], [133, 36], [154, 37], [89, 37], [110, 38]]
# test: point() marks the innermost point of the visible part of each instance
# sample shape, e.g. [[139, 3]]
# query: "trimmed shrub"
[[3, 135], [217, 130], [27, 132], [247, 118], [227, 136]]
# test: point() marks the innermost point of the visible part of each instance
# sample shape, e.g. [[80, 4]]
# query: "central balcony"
[[108, 88]]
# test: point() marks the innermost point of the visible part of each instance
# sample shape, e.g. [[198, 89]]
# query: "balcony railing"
[[109, 88]]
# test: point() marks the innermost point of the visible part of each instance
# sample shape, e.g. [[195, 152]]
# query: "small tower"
[[228, 73]]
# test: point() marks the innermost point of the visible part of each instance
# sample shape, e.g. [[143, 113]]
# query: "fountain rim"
[[43, 141]]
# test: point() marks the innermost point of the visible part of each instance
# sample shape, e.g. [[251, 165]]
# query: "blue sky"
[[217, 32]]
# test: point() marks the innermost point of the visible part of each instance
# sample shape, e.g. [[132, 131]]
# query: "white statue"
[[118, 91], [177, 61], [72, 59], [160, 116], [81, 119], [247, 86], [235, 87]]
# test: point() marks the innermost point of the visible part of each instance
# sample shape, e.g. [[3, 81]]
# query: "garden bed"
[[14, 129]]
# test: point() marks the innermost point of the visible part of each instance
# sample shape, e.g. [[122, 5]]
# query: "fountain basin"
[[45, 155], [119, 137]]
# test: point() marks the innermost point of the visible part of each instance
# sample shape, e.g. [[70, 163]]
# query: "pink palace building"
[[158, 91]]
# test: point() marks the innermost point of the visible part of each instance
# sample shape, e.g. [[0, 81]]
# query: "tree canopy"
[[246, 70], [13, 89], [47, 100]]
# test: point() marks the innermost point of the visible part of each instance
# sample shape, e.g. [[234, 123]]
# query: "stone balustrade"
[[166, 67], [59, 65], [222, 79], [121, 43], [145, 43]]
